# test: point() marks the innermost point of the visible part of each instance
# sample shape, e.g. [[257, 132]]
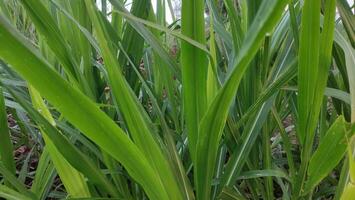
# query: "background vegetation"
[[237, 99]]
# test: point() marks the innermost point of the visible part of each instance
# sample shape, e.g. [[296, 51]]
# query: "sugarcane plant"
[[226, 99]]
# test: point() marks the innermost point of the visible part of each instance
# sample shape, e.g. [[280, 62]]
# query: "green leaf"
[[263, 173], [71, 155], [212, 124], [308, 65], [14, 182], [349, 53], [351, 156], [329, 153], [46, 25], [74, 105], [155, 26], [73, 180], [349, 192], [53, 36], [10, 194], [325, 59], [194, 67], [150, 39], [137, 120], [6, 148], [348, 19], [133, 42], [230, 194], [45, 174], [315, 54]]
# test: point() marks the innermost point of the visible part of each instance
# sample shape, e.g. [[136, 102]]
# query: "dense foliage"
[[237, 99]]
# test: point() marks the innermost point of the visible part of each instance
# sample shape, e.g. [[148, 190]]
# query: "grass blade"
[[64, 97], [194, 68], [349, 190], [329, 153], [45, 175], [150, 39], [213, 122], [6, 148], [10, 194], [135, 117], [69, 153], [348, 19], [73, 181], [46, 25], [14, 182], [308, 62]]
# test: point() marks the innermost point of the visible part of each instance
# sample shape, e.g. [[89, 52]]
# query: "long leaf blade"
[[213, 122], [112, 139]]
